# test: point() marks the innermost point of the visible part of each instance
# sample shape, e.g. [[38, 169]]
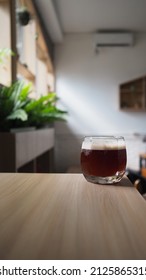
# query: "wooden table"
[[61, 216]]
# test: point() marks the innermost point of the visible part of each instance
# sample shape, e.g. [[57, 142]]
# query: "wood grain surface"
[[61, 216]]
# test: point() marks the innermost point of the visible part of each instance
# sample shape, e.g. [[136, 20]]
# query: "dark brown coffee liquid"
[[103, 163]]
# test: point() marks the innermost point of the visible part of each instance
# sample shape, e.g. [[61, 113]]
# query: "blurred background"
[[91, 53]]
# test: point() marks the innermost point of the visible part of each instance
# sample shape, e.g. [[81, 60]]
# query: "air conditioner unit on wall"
[[114, 39]]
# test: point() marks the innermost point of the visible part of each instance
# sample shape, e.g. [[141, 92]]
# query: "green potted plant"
[[12, 100], [19, 110], [43, 111]]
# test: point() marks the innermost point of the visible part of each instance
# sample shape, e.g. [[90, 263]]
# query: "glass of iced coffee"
[[103, 159]]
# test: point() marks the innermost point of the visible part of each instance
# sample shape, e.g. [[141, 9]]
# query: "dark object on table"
[[138, 181]]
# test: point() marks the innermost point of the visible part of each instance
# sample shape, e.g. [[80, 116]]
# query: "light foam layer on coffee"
[[103, 146]]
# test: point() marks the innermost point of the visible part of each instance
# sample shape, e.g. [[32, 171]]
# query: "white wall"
[[87, 84]]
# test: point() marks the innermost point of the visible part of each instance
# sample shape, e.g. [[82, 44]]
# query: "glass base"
[[105, 180]]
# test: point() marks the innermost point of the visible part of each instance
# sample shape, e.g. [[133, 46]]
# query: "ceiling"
[[74, 16]]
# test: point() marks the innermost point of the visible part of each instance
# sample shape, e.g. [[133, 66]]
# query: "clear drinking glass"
[[103, 159]]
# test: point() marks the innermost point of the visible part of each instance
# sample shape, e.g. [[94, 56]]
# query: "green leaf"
[[44, 101], [25, 91], [4, 54], [18, 114], [15, 91]]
